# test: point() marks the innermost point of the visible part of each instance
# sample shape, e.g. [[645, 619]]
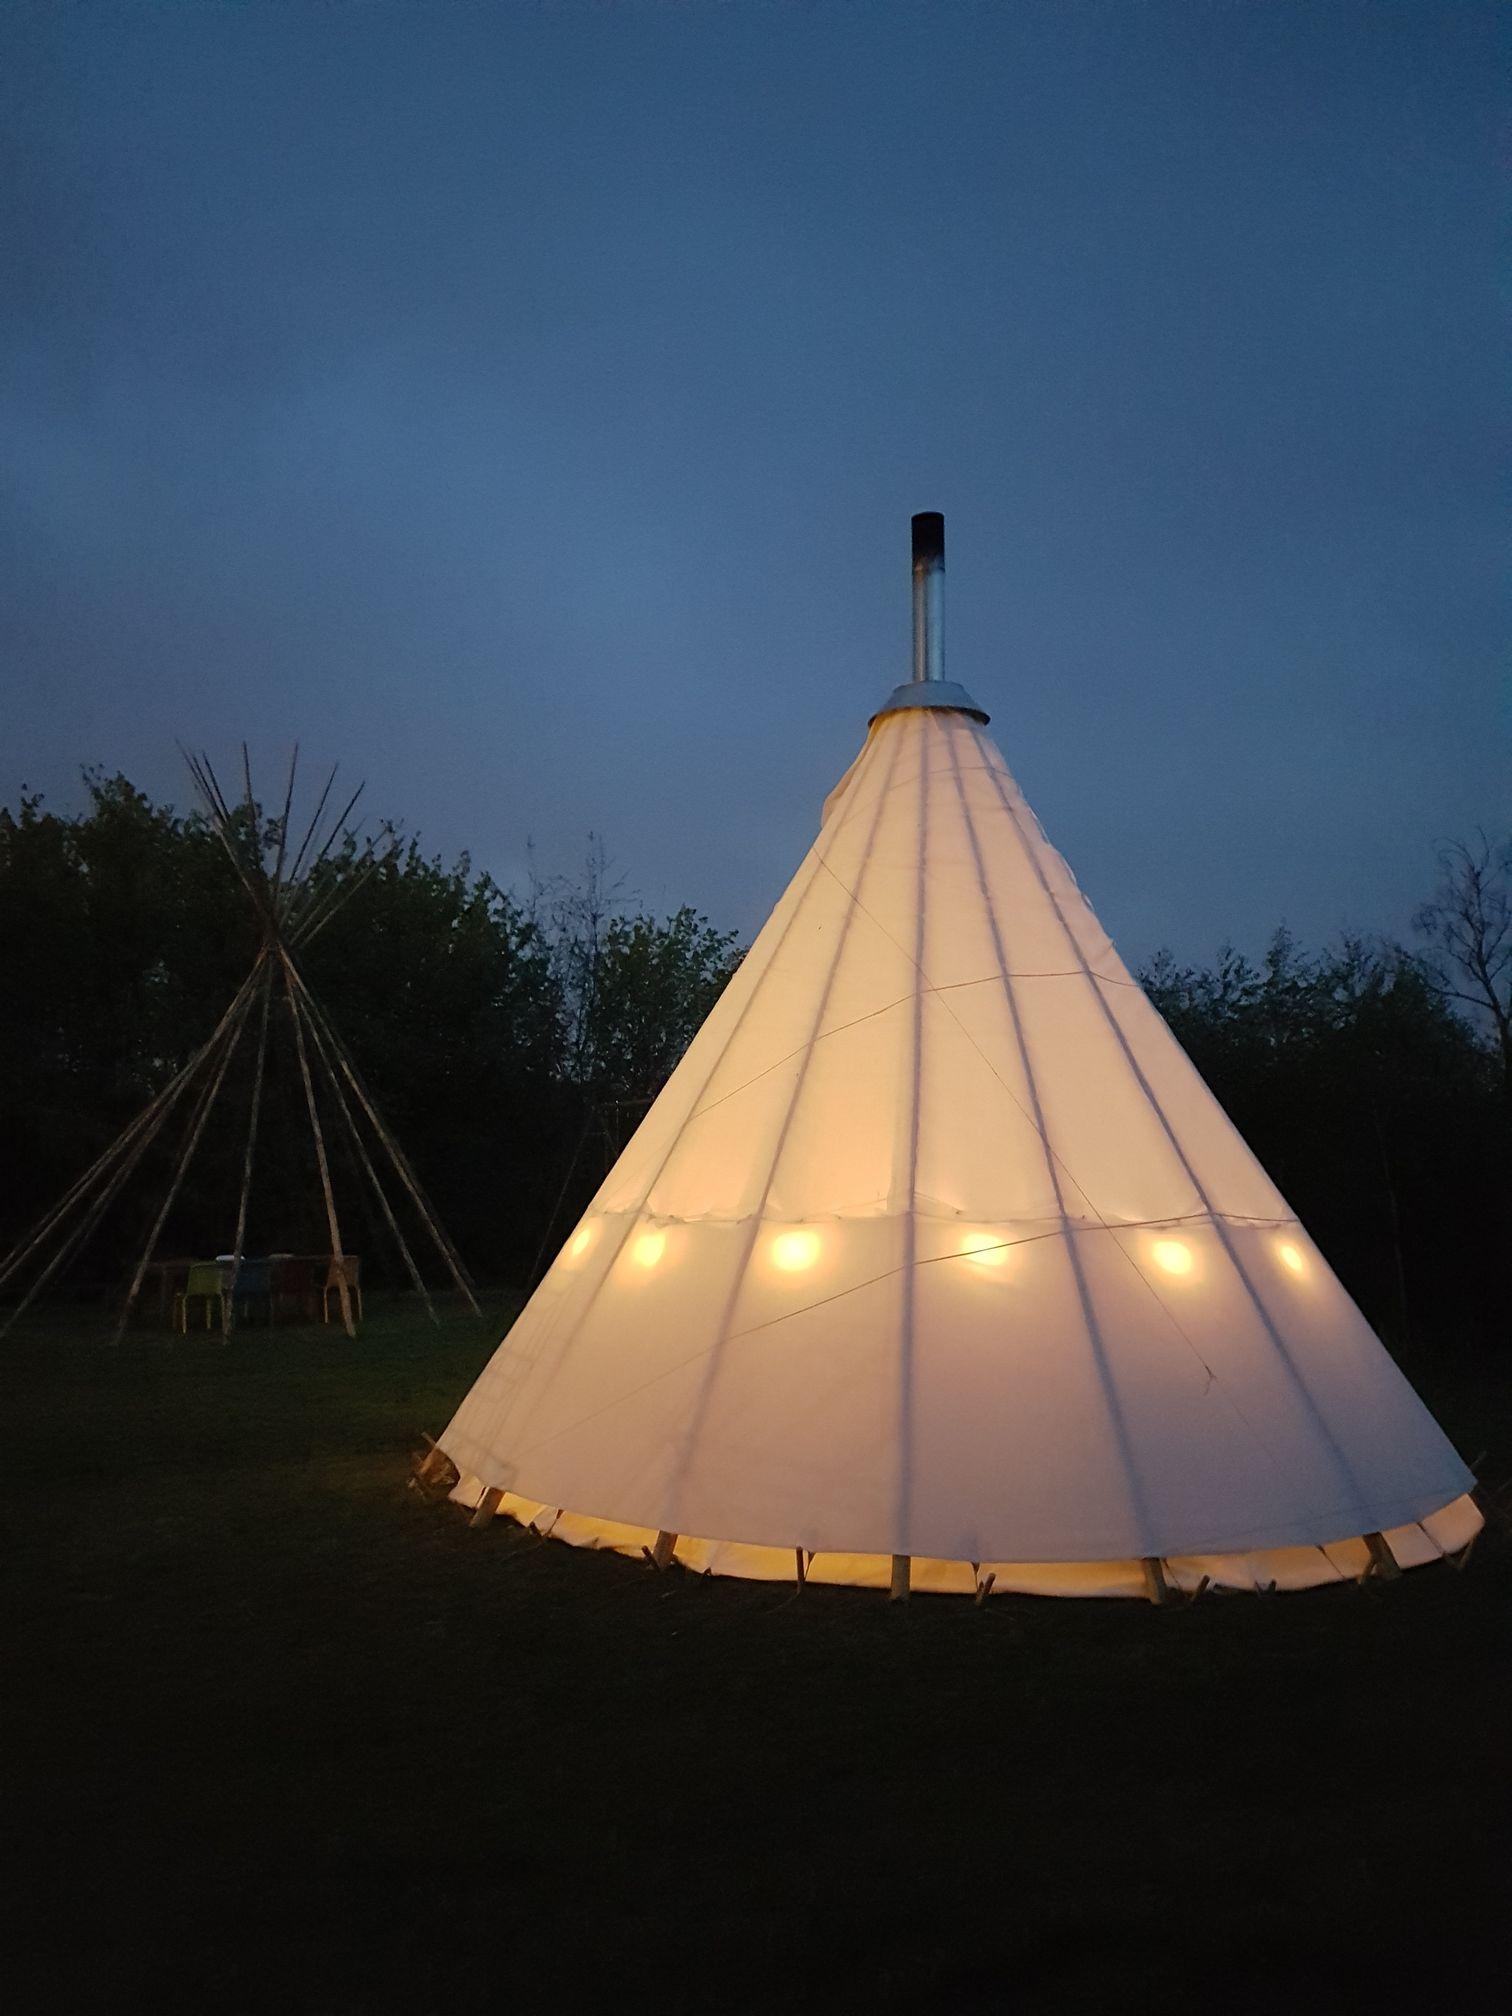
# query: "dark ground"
[[279, 1735]]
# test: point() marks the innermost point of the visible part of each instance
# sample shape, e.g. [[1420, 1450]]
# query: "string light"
[[793, 1251], [1173, 1256], [649, 1248], [985, 1249]]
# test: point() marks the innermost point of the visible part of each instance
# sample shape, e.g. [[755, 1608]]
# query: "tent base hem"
[[1435, 1537]]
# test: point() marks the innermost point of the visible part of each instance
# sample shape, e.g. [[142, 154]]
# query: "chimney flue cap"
[[928, 537]]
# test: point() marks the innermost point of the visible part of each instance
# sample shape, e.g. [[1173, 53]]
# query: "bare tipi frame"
[[292, 904]]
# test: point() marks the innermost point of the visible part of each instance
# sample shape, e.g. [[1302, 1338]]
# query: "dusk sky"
[[526, 404]]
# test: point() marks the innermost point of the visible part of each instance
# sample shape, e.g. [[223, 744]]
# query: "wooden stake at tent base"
[[1156, 1586], [984, 1587], [661, 1554], [1382, 1560], [434, 1472], [488, 1504], [802, 1566], [902, 1565]]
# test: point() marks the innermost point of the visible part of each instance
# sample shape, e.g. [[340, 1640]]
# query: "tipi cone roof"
[[936, 1245]]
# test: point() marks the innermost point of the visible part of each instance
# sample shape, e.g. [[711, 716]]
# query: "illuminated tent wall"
[[936, 1261]]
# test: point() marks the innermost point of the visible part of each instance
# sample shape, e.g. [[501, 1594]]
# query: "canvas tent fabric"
[[936, 1245]]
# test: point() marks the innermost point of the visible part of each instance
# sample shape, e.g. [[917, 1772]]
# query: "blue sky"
[[526, 404]]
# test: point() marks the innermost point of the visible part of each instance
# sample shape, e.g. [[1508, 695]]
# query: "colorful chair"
[[254, 1283], [295, 1279], [206, 1283]]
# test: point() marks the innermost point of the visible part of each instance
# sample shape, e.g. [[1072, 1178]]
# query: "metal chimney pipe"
[[928, 595]]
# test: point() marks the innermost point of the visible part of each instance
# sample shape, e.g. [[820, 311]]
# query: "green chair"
[[206, 1283]]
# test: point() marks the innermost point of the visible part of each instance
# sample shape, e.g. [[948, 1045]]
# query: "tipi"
[[292, 902], [936, 1263]]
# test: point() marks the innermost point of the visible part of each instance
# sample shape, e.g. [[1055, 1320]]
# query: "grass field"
[[281, 1736]]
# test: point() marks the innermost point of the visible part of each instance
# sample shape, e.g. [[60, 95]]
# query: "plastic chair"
[[172, 1281], [206, 1283], [254, 1283], [296, 1280], [349, 1265]]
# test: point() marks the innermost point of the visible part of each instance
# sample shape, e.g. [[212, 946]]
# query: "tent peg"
[[488, 1505], [434, 1474], [1157, 1588], [1382, 1561], [898, 1588], [661, 1554], [1461, 1560], [984, 1588], [802, 1564]]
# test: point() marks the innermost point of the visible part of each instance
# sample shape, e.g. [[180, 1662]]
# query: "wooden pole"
[[228, 1308], [197, 1127], [84, 1229], [304, 896], [129, 1147], [150, 1119], [395, 1153], [310, 835], [283, 833], [315, 916], [220, 821], [902, 1569], [1156, 1587], [117, 1162], [367, 1163], [1382, 1561], [337, 1255]]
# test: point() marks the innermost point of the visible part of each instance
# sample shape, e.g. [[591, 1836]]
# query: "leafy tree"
[[493, 1032], [1373, 1106]]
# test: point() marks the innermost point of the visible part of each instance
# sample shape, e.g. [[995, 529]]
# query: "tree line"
[[511, 1041], [514, 1039]]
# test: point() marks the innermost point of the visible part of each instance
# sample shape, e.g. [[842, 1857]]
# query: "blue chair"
[[254, 1283]]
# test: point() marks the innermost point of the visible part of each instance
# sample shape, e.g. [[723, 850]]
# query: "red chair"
[[296, 1280]]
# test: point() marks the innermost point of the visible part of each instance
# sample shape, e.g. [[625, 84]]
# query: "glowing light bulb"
[[793, 1251], [1291, 1258], [985, 1249], [580, 1243], [1173, 1256], [649, 1248]]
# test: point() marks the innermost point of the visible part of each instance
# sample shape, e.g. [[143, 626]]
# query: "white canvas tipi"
[[937, 1262]]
